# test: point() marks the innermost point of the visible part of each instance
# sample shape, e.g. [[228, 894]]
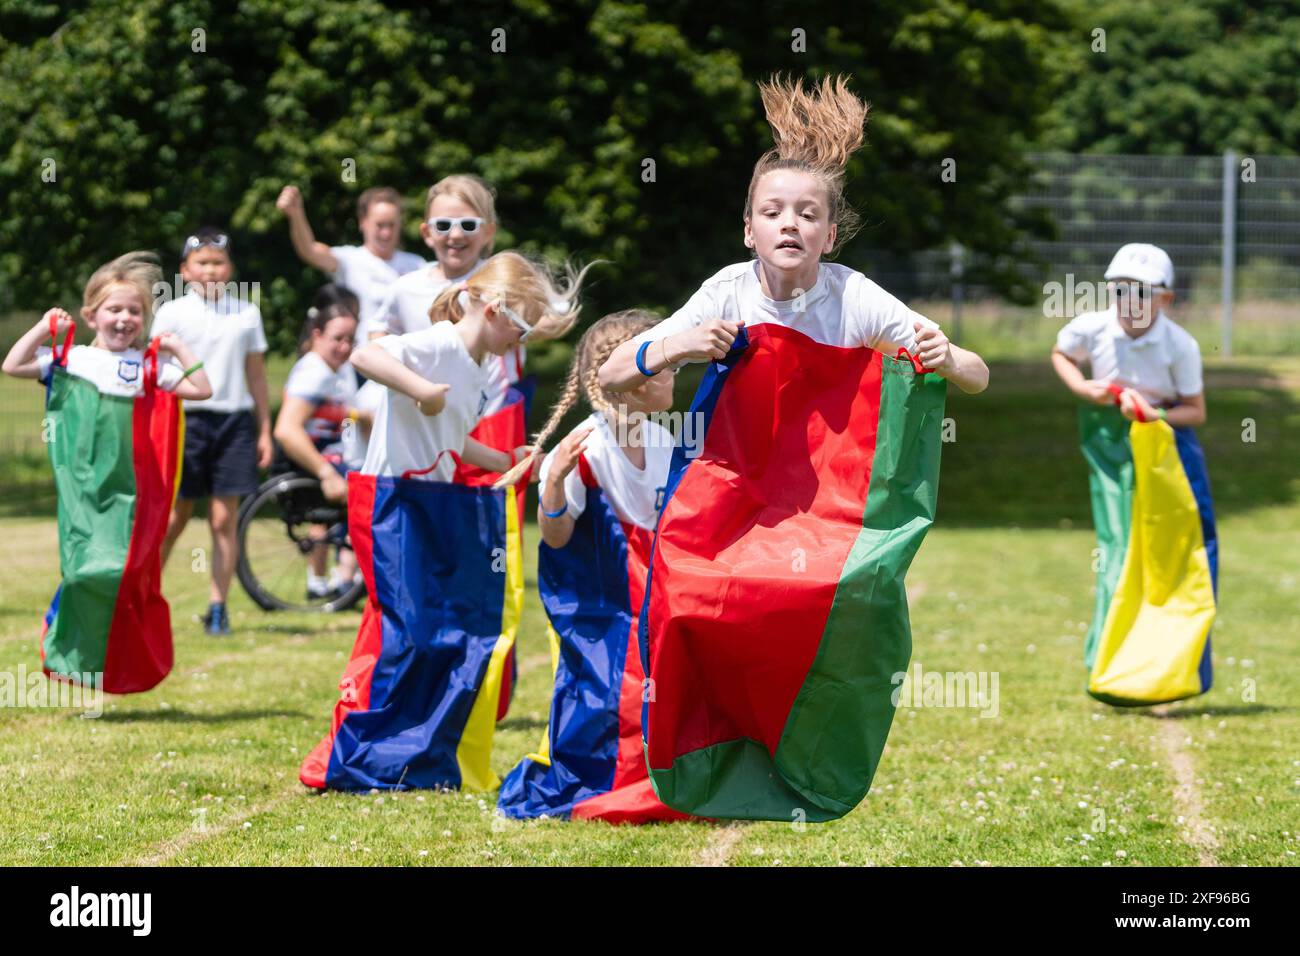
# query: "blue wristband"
[[640, 361], [555, 514]]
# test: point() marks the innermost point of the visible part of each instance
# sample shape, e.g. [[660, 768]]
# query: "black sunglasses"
[[1141, 291]]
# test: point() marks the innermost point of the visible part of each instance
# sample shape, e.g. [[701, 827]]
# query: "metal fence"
[[1230, 223]]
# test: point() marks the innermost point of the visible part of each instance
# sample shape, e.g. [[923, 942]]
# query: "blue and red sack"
[[591, 764]]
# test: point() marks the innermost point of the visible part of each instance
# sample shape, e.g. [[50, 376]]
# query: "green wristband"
[[192, 369]]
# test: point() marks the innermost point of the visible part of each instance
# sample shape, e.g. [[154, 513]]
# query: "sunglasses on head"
[[219, 241], [442, 225]]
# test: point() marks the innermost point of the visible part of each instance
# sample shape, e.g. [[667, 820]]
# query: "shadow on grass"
[[1016, 458], [174, 715], [1216, 710], [522, 723]]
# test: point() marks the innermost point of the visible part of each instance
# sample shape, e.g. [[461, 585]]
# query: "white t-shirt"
[[331, 393], [221, 334], [635, 495], [406, 302], [843, 308], [405, 309], [404, 438], [369, 277], [113, 373], [1162, 364]]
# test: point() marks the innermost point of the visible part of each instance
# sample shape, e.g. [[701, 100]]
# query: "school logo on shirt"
[[659, 498], [128, 370]]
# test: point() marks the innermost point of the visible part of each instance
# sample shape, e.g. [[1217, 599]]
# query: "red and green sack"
[[775, 616], [116, 464]]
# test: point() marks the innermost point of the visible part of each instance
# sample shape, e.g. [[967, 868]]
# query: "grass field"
[[203, 770]]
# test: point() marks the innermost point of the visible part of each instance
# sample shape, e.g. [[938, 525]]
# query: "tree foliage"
[[159, 115]]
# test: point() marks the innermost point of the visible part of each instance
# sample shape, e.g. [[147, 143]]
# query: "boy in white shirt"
[[1135, 346], [368, 269], [228, 436]]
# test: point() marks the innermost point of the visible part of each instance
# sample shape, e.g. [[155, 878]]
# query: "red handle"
[[151, 365], [916, 362], [412, 472], [61, 356], [1117, 392]]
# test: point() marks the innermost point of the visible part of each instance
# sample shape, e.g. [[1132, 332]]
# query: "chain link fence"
[[1231, 219]]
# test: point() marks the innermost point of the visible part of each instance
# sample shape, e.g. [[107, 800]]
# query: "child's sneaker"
[[216, 622]]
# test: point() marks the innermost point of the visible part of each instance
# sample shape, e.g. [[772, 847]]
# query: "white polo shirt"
[[221, 333], [113, 373], [635, 494], [843, 308], [1163, 364], [369, 277], [405, 439]]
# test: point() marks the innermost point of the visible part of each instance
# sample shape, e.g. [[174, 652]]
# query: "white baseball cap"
[[1143, 262]]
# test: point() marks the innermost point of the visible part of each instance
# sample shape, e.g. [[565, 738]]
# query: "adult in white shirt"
[[1135, 345], [368, 269]]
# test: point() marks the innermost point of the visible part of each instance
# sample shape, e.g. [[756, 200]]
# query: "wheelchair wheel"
[[281, 526]]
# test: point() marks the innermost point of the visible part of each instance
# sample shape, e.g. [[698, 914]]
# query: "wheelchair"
[[284, 528]]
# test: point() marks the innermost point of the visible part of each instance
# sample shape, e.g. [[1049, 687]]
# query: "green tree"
[[1195, 78], [154, 128]]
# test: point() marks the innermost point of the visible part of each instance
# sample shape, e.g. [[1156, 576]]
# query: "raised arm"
[[310, 251], [21, 362]]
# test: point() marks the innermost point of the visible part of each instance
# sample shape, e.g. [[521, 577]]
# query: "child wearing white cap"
[[1134, 345]]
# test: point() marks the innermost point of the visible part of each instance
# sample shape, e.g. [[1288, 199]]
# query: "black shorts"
[[220, 454]]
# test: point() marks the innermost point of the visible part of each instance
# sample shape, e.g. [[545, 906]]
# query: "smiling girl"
[[113, 428], [116, 306]]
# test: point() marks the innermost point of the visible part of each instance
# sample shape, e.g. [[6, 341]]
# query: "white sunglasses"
[[514, 317], [443, 225], [509, 313]]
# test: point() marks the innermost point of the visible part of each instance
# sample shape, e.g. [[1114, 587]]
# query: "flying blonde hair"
[[139, 270], [473, 192], [814, 130], [595, 346], [528, 286]]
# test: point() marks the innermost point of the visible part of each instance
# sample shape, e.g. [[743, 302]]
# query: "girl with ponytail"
[[419, 698], [775, 612], [795, 213], [601, 491]]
